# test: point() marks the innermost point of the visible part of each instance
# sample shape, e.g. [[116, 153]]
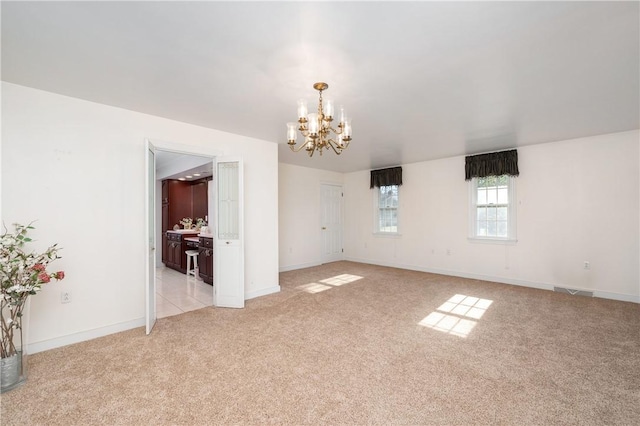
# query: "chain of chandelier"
[[316, 127]]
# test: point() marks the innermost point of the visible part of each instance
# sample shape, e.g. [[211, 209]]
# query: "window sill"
[[489, 240], [387, 234]]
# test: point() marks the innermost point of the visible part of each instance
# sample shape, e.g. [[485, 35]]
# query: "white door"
[[228, 282], [331, 222], [150, 234]]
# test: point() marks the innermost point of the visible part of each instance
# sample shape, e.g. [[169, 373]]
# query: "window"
[[386, 206], [492, 212]]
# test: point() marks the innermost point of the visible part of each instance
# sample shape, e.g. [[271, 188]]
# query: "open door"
[[229, 234], [150, 234]]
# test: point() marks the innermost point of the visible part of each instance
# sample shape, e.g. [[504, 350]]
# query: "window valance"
[[492, 164], [386, 177]]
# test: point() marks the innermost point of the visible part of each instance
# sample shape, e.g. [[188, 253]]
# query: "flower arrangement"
[[22, 274], [186, 222], [200, 222]]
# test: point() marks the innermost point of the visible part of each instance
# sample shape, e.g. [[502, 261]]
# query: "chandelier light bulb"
[[313, 124], [302, 109], [291, 132], [346, 132], [328, 109]]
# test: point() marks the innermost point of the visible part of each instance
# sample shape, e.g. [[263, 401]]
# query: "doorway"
[[177, 292], [227, 235]]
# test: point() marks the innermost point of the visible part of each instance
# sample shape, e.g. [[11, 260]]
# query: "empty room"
[[320, 213]]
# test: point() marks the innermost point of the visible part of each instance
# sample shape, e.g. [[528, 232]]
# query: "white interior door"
[[331, 222], [228, 252], [150, 234]]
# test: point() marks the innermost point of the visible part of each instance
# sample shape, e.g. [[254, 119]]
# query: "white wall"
[[578, 200], [299, 214], [78, 168]]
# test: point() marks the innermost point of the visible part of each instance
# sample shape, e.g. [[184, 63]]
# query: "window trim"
[[511, 237], [376, 216]]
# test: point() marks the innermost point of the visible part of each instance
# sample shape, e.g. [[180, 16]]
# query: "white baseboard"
[[261, 292], [616, 296], [300, 266], [502, 280], [82, 336]]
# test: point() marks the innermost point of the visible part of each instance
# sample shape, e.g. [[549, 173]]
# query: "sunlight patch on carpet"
[[457, 315], [328, 283], [339, 280], [313, 287]]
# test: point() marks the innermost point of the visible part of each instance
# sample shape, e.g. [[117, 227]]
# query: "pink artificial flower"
[[59, 275], [44, 277], [39, 267]]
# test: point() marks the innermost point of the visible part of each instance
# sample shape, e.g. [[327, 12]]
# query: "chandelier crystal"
[[316, 127]]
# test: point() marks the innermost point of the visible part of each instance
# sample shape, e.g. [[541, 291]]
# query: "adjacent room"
[[320, 212]]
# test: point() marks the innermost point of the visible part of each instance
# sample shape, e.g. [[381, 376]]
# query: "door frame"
[[150, 236], [177, 148]]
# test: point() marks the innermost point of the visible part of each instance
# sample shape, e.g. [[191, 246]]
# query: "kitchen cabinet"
[[180, 199], [205, 259], [175, 251]]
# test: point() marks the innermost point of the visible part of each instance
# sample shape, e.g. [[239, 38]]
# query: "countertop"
[[184, 231], [191, 231]]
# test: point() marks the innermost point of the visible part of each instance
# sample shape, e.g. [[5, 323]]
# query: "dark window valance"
[[386, 177], [492, 164]]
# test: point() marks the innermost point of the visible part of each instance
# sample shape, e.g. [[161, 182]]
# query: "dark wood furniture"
[[205, 259], [175, 251], [181, 199]]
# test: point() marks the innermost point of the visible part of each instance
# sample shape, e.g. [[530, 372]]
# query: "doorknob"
[[324, 227]]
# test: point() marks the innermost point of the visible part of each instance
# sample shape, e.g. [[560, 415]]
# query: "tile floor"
[[176, 293]]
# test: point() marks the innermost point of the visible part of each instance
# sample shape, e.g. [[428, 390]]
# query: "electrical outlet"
[[587, 265], [65, 297]]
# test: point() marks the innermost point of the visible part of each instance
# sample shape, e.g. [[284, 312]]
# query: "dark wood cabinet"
[[176, 257], [205, 259], [181, 199], [172, 256], [179, 202], [199, 200]]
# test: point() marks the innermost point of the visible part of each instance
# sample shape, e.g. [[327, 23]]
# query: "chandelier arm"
[[294, 149], [331, 143], [337, 132]]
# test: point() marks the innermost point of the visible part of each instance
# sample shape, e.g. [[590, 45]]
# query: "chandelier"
[[316, 127]]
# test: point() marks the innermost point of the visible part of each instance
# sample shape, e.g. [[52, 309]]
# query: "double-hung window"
[[492, 208], [386, 190], [387, 209]]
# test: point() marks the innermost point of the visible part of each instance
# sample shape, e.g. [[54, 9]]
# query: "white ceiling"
[[421, 80]]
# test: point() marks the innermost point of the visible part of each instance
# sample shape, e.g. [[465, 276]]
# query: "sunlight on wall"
[[336, 281], [451, 316]]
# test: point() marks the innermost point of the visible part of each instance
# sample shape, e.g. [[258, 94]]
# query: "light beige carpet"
[[348, 343]]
